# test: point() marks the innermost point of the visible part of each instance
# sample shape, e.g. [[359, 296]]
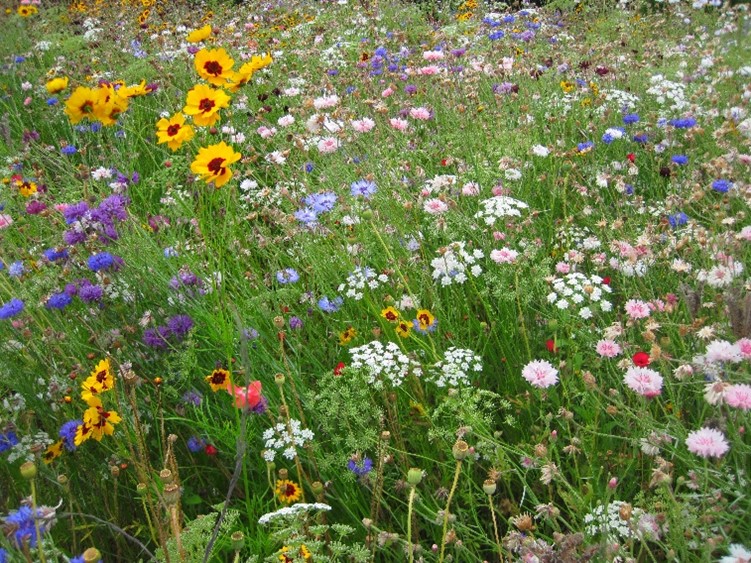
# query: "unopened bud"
[[385, 435], [171, 494], [63, 480], [29, 470], [414, 476], [279, 379], [283, 474], [166, 476], [489, 487], [460, 450], [238, 540], [317, 488], [279, 322], [114, 470], [91, 555]]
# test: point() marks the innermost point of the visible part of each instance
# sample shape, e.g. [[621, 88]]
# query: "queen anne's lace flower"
[[384, 363], [454, 369], [359, 279], [285, 439], [454, 262], [500, 206], [581, 293]]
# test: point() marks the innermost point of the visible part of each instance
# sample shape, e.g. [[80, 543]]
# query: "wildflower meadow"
[[361, 281]]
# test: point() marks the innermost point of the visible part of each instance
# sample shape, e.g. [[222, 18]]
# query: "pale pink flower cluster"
[[266, 132], [285, 120], [505, 255], [707, 442], [608, 348], [421, 113], [723, 351], [435, 206], [540, 373], [5, 220], [471, 189], [644, 381], [738, 396], [325, 102], [429, 70], [398, 123], [328, 145], [433, 56], [637, 309], [363, 125]]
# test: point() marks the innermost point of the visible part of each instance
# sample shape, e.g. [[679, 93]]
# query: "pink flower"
[[744, 347], [5, 220], [286, 120], [387, 92], [247, 397], [429, 70], [326, 102], [722, 351], [421, 113], [433, 56], [266, 132], [636, 309], [470, 189], [608, 348], [504, 256], [398, 123], [540, 373], [739, 396], [707, 442], [435, 206], [328, 145], [643, 381], [563, 267], [363, 125]]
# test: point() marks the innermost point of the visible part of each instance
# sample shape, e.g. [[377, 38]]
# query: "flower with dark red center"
[[212, 163], [214, 65]]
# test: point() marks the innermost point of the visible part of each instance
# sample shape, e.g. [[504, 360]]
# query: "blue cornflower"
[[196, 444], [309, 167], [381, 52], [74, 212], [3, 556], [683, 123], [68, 434], [52, 101], [322, 202], [363, 188], [69, 149], [679, 159], [7, 441], [630, 118], [640, 138], [19, 59], [496, 35], [100, 261], [10, 309], [249, 333], [677, 219], [180, 325], [52, 254], [90, 292], [16, 269], [23, 531], [362, 468], [307, 215], [288, 275], [722, 185], [96, 127], [585, 146], [328, 305], [58, 301], [170, 252], [629, 189]]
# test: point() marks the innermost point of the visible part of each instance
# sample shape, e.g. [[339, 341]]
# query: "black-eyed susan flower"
[[214, 65], [25, 11], [27, 188], [218, 379], [81, 104], [97, 422], [198, 35], [403, 328], [212, 163], [53, 452], [346, 336], [288, 491], [424, 321], [567, 86], [57, 85], [204, 103], [174, 131], [390, 314]]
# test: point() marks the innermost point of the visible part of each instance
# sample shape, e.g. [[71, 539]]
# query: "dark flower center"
[[217, 378], [87, 107], [173, 129], [290, 490], [213, 67], [206, 105], [215, 165]]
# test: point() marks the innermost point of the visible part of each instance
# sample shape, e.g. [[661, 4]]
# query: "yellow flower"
[[403, 328], [133, 90], [212, 163], [81, 104], [218, 379], [109, 104], [214, 65], [240, 78], [257, 62], [173, 131], [53, 452], [57, 85], [97, 422], [567, 86], [204, 103], [347, 335], [100, 380], [425, 320], [302, 551], [390, 314], [198, 35], [288, 491], [26, 11], [27, 188]]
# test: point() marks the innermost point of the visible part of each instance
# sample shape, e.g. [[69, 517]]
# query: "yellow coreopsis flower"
[[100, 380], [390, 314], [109, 104], [173, 131], [257, 62], [57, 85], [198, 35], [567, 86], [212, 163], [346, 336], [288, 491], [204, 103], [97, 422], [239, 78], [218, 379], [27, 188], [214, 65], [81, 104], [133, 90], [53, 452]]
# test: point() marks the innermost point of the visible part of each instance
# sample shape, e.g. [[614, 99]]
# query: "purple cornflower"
[[68, 434], [363, 188], [192, 397], [180, 325], [330, 306], [156, 337], [89, 293], [35, 207], [630, 118], [100, 261], [288, 275], [75, 212], [249, 333], [52, 254], [362, 468], [307, 216], [196, 444], [8, 440], [295, 323], [722, 186], [8, 310], [677, 219], [322, 202], [58, 301]]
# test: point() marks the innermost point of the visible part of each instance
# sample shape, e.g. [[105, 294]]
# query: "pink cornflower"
[[563, 267], [540, 373], [644, 381], [707, 442], [398, 123], [739, 396], [5, 220], [429, 70], [470, 189], [266, 132], [421, 113], [328, 145], [608, 348], [435, 206], [636, 309], [722, 351], [387, 92], [504, 256], [744, 348], [326, 102], [363, 125], [433, 56]]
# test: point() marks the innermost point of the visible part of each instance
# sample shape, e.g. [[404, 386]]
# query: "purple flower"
[[74, 237], [330, 306], [192, 397], [156, 337], [307, 215], [35, 207], [75, 212], [68, 434], [101, 261], [363, 188], [7, 441], [361, 468], [11, 309], [196, 444], [295, 323], [722, 186], [58, 301], [180, 325], [90, 292], [288, 275]]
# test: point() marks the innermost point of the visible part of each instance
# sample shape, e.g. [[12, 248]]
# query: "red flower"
[[641, 359], [550, 345], [339, 367], [210, 450], [631, 156], [606, 280]]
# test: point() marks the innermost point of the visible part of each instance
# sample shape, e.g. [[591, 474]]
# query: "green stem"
[[522, 324], [457, 472], [495, 528], [410, 547], [36, 521]]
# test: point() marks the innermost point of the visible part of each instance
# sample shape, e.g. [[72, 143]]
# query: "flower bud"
[[91, 555], [114, 471], [166, 476], [141, 488], [489, 487], [63, 480], [238, 540], [283, 474], [279, 322], [279, 379], [29, 470], [414, 476], [317, 488], [460, 450], [171, 494]]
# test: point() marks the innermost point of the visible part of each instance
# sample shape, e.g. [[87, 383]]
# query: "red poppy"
[[339, 368], [641, 359], [210, 450], [550, 345], [631, 156], [606, 280]]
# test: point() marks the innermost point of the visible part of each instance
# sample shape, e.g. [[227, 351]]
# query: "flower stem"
[[495, 528], [36, 521], [457, 472], [410, 547]]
